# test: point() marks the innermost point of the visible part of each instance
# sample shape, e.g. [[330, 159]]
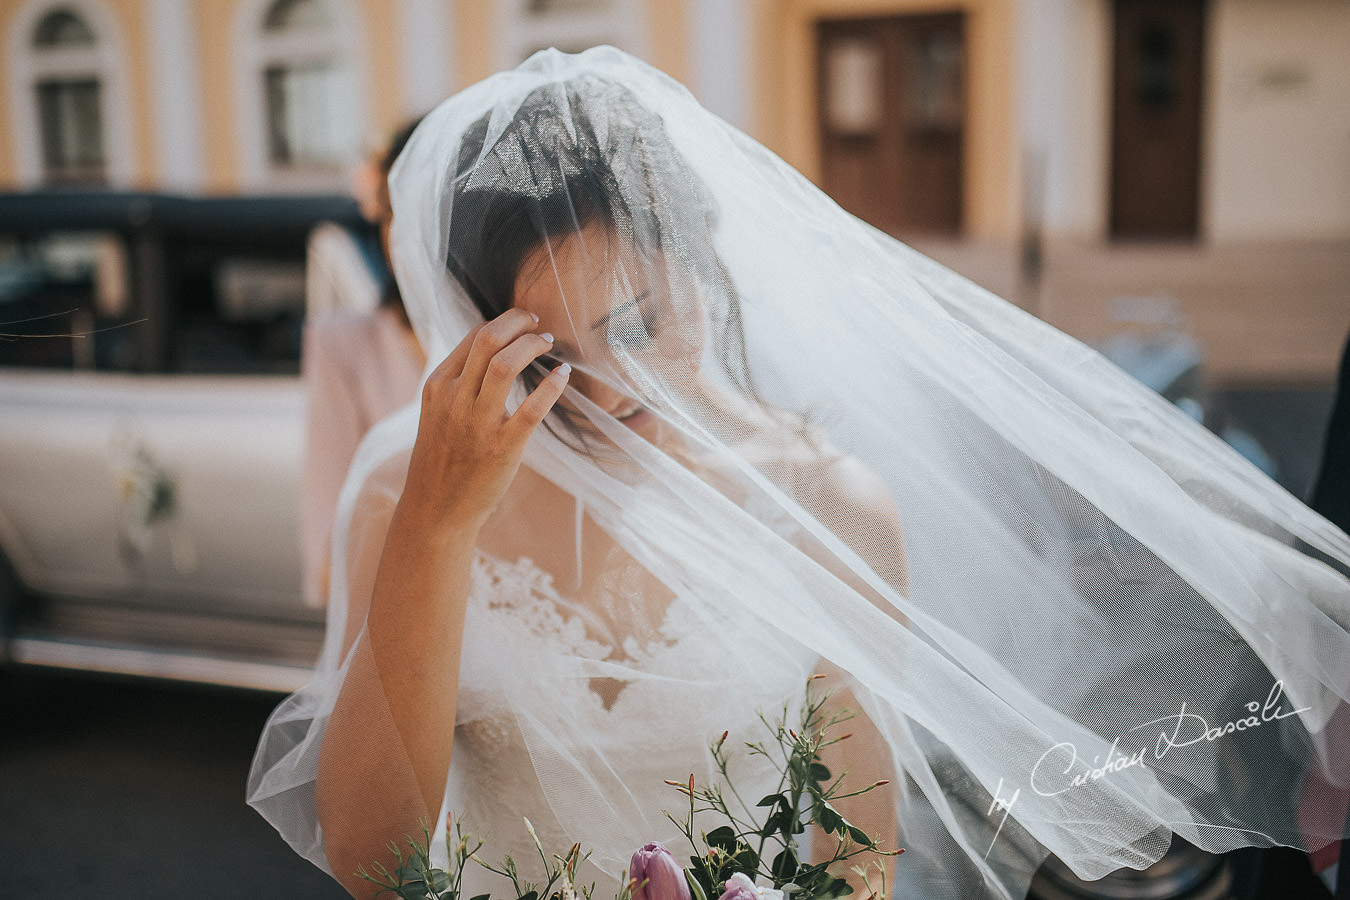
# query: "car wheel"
[[10, 592], [11, 599], [1184, 873]]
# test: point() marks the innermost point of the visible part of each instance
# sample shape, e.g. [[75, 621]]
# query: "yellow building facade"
[[204, 96], [971, 119]]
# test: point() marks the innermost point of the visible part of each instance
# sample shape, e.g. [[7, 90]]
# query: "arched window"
[[69, 99], [63, 28], [570, 25], [70, 113], [303, 105]]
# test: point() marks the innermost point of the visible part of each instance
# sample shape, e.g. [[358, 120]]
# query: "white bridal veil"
[[1043, 584]]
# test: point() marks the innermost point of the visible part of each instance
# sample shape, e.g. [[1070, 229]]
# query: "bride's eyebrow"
[[620, 308]]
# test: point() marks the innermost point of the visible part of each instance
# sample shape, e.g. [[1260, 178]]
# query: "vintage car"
[[151, 419]]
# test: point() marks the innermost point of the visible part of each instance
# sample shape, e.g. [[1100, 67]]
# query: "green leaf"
[[723, 838], [819, 772], [440, 881], [772, 799], [784, 866], [409, 872], [860, 836], [773, 823], [834, 887], [703, 872], [529, 895], [483, 897], [830, 820], [695, 888]]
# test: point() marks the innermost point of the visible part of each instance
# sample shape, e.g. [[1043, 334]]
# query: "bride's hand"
[[468, 447]]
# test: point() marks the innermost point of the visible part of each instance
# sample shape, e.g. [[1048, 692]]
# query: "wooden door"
[[1155, 148], [891, 118]]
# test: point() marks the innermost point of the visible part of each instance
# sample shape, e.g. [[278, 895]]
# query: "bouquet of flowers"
[[753, 854]]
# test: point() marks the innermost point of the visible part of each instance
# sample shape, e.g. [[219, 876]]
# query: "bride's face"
[[611, 311]]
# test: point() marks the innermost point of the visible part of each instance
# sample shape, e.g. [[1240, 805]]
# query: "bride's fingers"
[[491, 338], [503, 370], [453, 365], [537, 405]]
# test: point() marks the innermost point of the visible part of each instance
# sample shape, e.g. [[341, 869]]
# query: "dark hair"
[[573, 155], [390, 295], [397, 141]]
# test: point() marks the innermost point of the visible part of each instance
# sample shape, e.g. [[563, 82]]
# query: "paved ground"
[[127, 789], [1265, 314]]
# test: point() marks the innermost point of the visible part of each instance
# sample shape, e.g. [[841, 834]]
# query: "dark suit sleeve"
[[1331, 493], [1331, 498]]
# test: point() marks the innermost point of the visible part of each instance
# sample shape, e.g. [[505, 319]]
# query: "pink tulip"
[[656, 875], [739, 887]]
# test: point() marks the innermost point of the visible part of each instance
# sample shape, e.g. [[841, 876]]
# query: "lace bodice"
[[529, 647]]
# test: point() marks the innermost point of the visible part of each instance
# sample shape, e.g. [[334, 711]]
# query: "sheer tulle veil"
[[1078, 623]]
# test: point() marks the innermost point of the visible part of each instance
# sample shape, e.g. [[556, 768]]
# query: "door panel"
[[892, 119], [1155, 159]]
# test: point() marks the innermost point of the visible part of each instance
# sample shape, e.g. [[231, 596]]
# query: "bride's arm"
[[855, 505], [857, 508], [865, 756], [386, 749]]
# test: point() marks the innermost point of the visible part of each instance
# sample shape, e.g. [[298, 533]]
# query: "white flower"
[[740, 887]]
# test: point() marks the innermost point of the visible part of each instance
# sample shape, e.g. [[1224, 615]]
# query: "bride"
[[690, 433]]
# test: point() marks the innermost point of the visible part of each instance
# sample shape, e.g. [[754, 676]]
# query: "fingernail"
[[535, 317], [564, 370], [546, 336]]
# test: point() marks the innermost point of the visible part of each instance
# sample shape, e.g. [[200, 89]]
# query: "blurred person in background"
[[345, 266], [360, 360]]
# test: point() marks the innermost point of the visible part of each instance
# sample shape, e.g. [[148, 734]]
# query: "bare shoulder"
[[846, 495], [838, 489], [855, 486], [841, 493], [854, 503]]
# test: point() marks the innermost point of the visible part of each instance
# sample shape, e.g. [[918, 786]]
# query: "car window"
[[235, 311], [64, 301], [95, 300]]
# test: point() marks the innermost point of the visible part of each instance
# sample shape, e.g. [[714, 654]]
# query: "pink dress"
[[358, 368]]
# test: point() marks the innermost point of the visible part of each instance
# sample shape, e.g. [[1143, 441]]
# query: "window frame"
[[103, 61], [65, 161], [257, 51], [525, 29]]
